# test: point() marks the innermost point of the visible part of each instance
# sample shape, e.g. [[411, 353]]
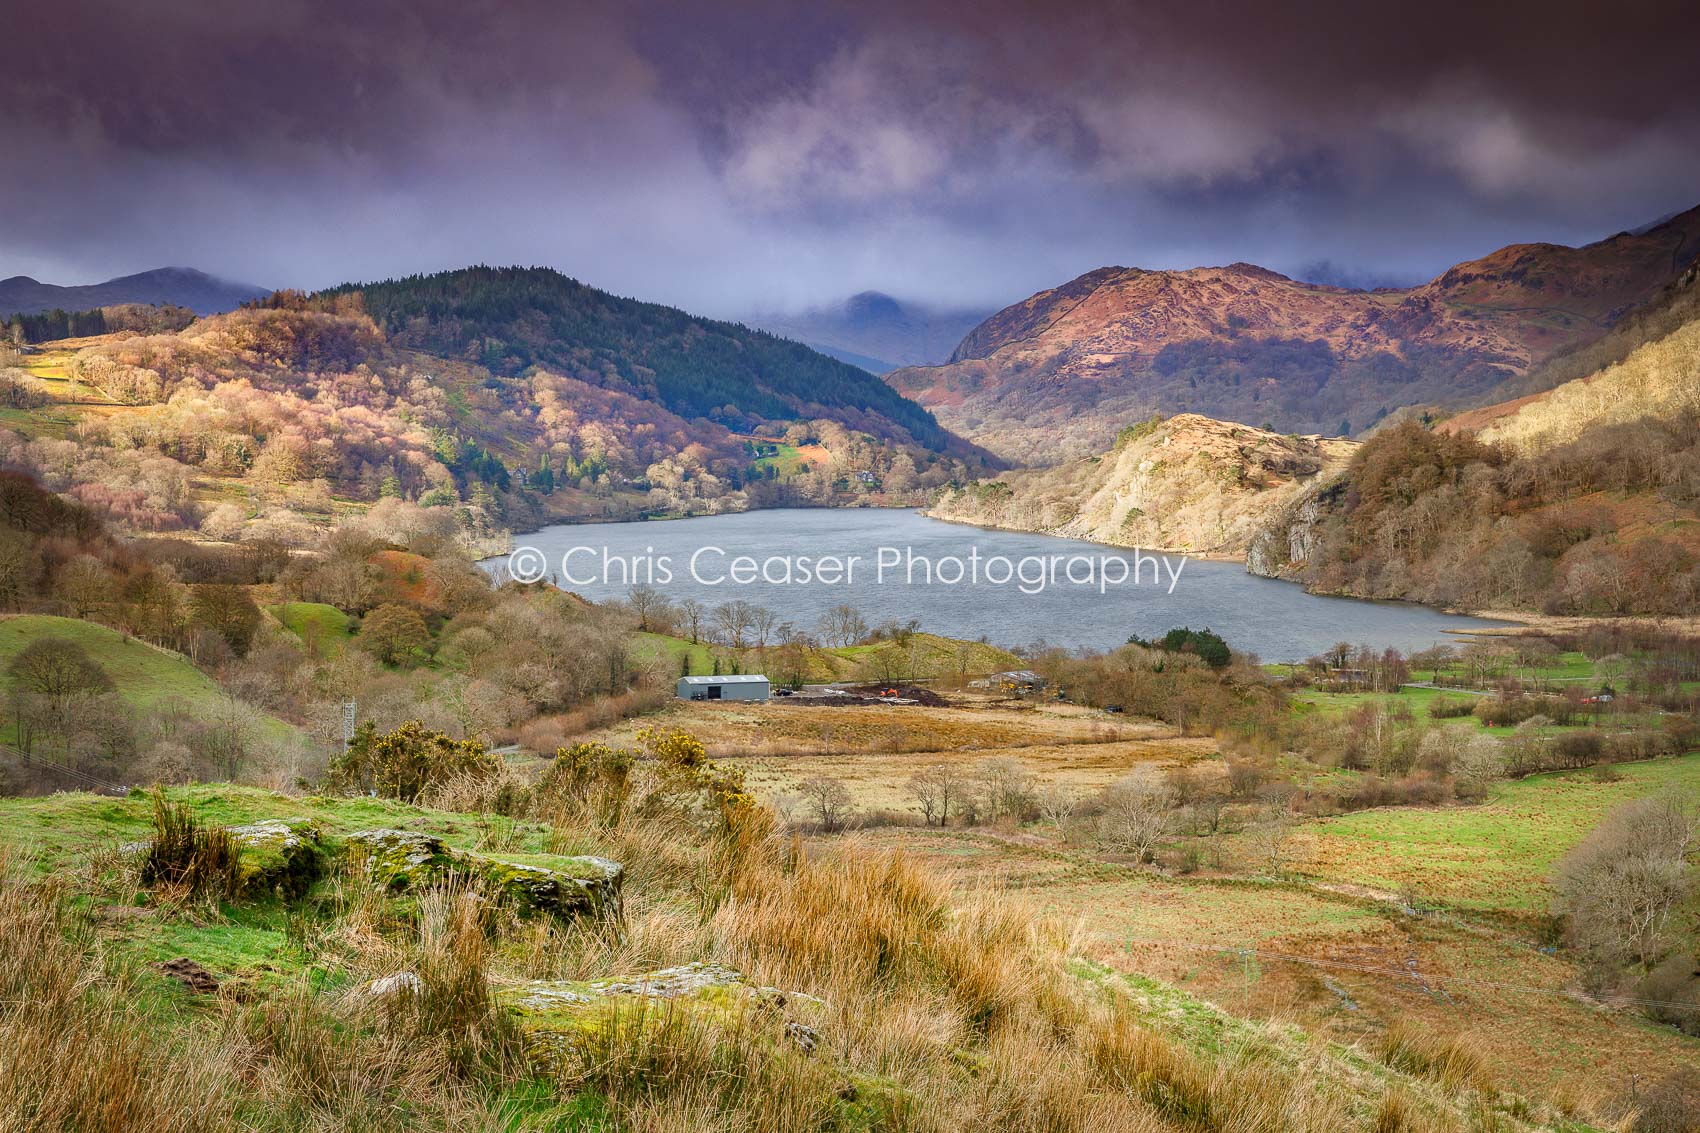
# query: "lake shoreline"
[[901, 549]]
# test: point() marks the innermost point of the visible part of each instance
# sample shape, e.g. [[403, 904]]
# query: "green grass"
[[1495, 856], [315, 622], [60, 829], [786, 462], [651, 647], [146, 677]]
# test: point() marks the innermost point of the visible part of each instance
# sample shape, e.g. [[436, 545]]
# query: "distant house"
[[1019, 680], [867, 477], [724, 688]]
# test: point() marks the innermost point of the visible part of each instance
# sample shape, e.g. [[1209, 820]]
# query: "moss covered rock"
[[401, 860], [560, 1018], [279, 858]]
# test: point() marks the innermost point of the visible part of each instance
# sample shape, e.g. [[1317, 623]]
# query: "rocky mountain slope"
[[876, 332], [1581, 499], [1057, 374], [182, 287], [1187, 483]]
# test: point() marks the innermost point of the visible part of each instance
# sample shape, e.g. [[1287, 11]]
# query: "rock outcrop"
[[557, 1016], [567, 887], [1187, 483]]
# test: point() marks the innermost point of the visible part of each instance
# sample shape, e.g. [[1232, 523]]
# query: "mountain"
[[1580, 499], [183, 287], [876, 332], [1058, 373], [510, 319], [1186, 483]]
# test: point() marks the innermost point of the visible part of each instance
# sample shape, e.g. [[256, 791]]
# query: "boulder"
[[279, 858], [557, 1016], [390, 988], [568, 887]]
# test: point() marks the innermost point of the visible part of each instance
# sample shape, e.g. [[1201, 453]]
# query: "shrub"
[[402, 763], [182, 852], [1620, 886], [1454, 1061]]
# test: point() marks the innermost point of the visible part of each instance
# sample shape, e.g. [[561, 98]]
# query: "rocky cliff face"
[[1187, 483], [1054, 376], [1288, 535]]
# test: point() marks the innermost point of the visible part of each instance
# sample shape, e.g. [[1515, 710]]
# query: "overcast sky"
[[730, 157]]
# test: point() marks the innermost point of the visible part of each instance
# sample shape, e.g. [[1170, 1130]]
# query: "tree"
[[937, 790], [732, 619], [57, 669], [229, 612], [395, 634], [1619, 887], [1135, 818], [1270, 838], [693, 613], [1005, 788], [651, 606], [763, 623], [828, 799], [842, 626]]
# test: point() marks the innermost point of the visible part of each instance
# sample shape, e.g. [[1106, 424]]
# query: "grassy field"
[[926, 657], [888, 1045], [1495, 856], [315, 624], [146, 676], [1329, 945]]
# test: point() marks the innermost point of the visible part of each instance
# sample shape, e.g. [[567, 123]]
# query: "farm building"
[[724, 688]]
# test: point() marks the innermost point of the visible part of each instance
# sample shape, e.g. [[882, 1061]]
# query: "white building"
[[724, 688]]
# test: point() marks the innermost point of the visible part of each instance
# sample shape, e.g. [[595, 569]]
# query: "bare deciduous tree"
[[1136, 816], [938, 791], [828, 799], [1618, 888], [693, 613], [651, 606], [842, 626], [1005, 788]]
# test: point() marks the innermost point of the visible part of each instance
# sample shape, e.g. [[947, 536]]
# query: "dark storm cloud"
[[751, 154]]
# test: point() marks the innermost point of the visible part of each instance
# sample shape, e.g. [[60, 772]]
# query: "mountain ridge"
[[1242, 342], [197, 290]]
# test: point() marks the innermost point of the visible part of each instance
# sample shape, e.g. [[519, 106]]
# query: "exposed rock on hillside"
[[1187, 483], [568, 887]]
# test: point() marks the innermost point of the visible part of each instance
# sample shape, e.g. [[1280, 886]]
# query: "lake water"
[[960, 581]]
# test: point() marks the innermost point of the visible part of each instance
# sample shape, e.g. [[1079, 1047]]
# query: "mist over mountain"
[[183, 287], [877, 332]]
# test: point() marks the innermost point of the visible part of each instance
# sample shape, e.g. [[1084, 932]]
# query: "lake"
[[960, 581]]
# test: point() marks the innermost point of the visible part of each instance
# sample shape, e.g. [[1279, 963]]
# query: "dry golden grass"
[[874, 749], [936, 1006], [1454, 1061], [1660, 379]]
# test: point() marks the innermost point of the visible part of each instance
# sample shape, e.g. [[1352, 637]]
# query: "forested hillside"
[[1582, 500], [512, 319], [275, 419]]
